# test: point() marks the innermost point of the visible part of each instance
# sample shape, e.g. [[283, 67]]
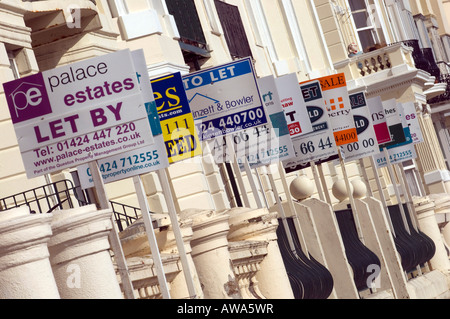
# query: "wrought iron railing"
[[46, 198], [444, 78], [64, 195], [124, 215], [418, 56]]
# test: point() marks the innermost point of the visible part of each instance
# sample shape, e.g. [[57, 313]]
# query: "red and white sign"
[[294, 106], [410, 116], [379, 121], [339, 110]]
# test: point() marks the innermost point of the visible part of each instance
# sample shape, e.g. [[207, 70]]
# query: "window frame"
[[372, 17]]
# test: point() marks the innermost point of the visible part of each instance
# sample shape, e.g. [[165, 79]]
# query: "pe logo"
[[27, 98]]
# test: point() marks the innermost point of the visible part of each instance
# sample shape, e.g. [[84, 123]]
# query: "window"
[[13, 65], [188, 22], [118, 8], [233, 30], [364, 18], [192, 39]]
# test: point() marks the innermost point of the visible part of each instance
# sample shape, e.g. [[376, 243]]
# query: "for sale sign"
[[78, 113], [396, 155], [410, 116], [260, 145], [395, 124], [339, 110], [401, 148], [225, 99], [271, 142]]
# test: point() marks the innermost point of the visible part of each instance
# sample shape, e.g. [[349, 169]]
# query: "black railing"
[[64, 195], [417, 54], [444, 78], [124, 215], [359, 256], [423, 58], [308, 278], [47, 198]]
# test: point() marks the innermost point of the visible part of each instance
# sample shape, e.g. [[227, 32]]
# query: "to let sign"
[[137, 161], [225, 99], [78, 113]]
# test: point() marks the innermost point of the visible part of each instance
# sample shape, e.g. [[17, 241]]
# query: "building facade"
[[405, 55]]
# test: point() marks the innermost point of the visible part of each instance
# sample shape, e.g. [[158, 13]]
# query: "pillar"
[[259, 224], [424, 208], [135, 242], [25, 270], [79, 254], [210, 253], [179, 287]]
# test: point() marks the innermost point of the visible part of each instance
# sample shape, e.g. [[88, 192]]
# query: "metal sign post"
[[281, 209], [151, 237], [114, 239], [397, 193], [350, 197], [162, 174]]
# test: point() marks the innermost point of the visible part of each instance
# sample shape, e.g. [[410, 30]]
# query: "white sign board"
[[293, 104], [367, 144], [410, 116], [138, 161], [78, 113], [318, 144], [396, 155], [379, 122], [401, 148], [261, 145], [394, 122], [224, 99], [337, 103]]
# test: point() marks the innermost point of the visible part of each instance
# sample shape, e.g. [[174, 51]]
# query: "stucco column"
[[25, 270], [446, 235], [179, 289], [431, 159], [135, 242], [79, 254], [210, 253], [260, 224], [424, 208]]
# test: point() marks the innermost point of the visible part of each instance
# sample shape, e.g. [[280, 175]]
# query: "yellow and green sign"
[[177, 123]]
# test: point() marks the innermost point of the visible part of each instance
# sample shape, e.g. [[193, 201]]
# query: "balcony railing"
[[376, 62], [444, 78]]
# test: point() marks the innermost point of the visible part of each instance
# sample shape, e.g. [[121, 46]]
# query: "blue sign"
[[225, 99]]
